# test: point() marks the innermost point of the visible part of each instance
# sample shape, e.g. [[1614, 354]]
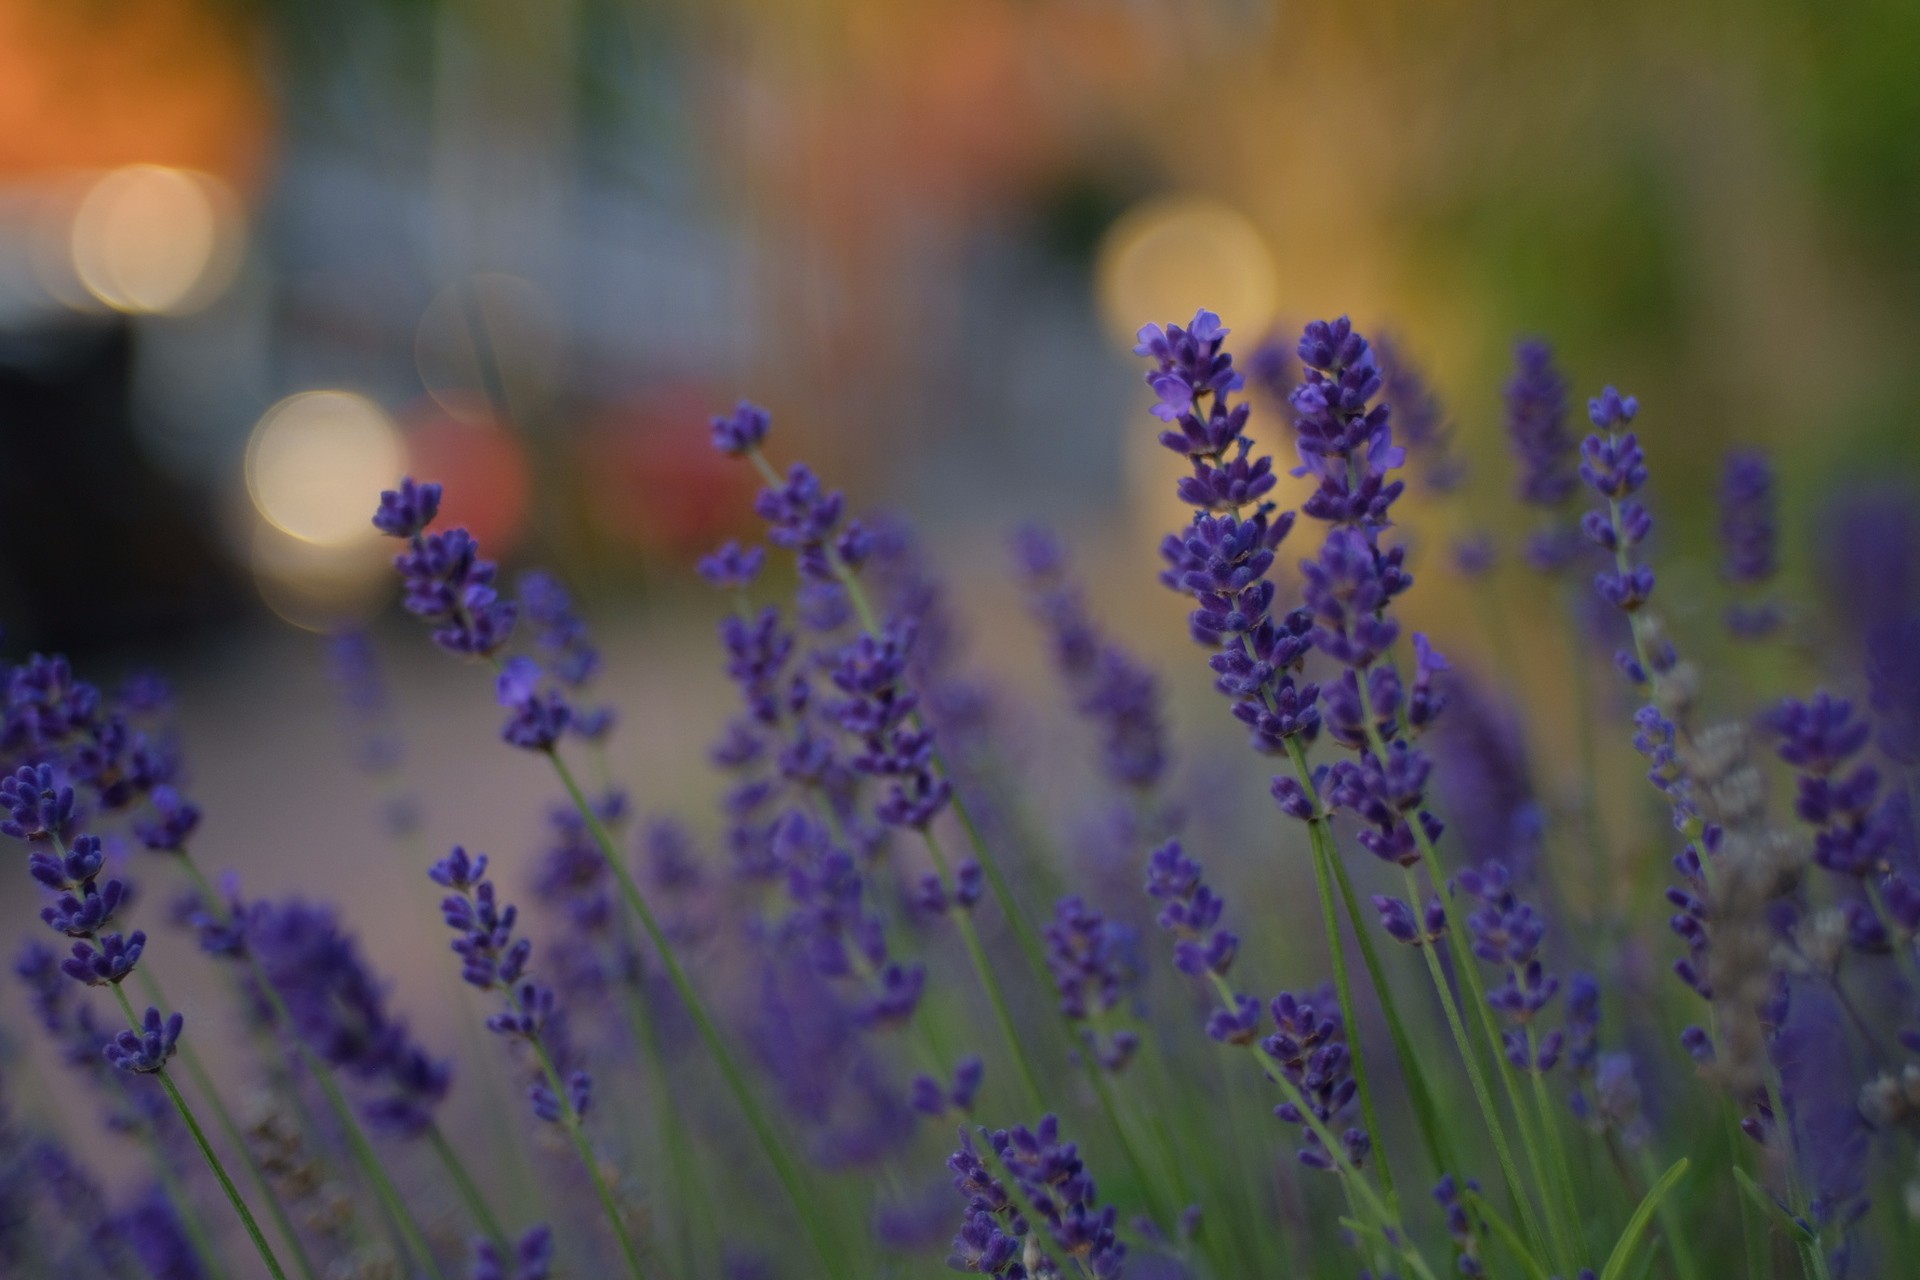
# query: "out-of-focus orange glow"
[[481, 465], [151, 239], [97, 86], [655, 483], [1166, 258]]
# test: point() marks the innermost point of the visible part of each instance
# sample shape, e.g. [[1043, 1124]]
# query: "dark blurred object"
[[97, 547]]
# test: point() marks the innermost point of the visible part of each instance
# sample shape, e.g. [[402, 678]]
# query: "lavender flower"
[[148, 1049], [532, 1258], [493, 960], [1545, 451], [1309, 1048], [1110, 688], [1460, 1225], [1819, 738], [1191, 913], [538, 715], [339, 1009], [1221, 560], [1506, 932], [566, 649], [447, 582], [1055, 1181], [1422, 420], [1094, 963], [1748, 537]]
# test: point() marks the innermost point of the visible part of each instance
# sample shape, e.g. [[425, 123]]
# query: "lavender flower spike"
[[446, 581], [1748, 537]]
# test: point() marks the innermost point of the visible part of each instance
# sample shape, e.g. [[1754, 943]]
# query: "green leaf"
[[1508, 1236], [1637, 1225], [1771, 1207]]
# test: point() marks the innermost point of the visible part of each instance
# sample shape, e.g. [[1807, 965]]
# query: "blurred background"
[[257, 259]]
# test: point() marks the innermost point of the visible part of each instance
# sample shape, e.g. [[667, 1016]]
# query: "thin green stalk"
[[1469, 973], [981, 966], [1671, 1226], [469, 1191], [176, 1194], [1477, 1079], [570, 1122], [207, 1152], [1557, 1153], [689, 1186], [1322, 853], [1351, 1177], [818, 1234], [197, 1073], [368, 1160], [1432, 1132]]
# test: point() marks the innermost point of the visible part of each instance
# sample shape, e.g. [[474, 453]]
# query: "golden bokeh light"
[[316, 587], [1167, 257], [152, 240], [317, 462]]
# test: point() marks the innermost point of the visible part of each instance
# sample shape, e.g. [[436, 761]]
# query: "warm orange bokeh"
[[93, 86]]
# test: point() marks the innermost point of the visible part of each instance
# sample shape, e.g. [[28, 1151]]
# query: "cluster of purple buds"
[[1506, 932], [1546, 452], [493, 960], [1110, 688], [834, 928], [338, 1008], [1221, 559], [566, 649], [1191, 912], [802, 515], [1615, 467], [1820, 739], [1056, 1183], [446, 581], [992, 1236], [934, 897], [1345, 440], [1461, 1226], [537, 714], [531, 1259], [1308, 1047], [1422, 419], [1748, 536], [931, 1098], [1095, 963], [877, 708]]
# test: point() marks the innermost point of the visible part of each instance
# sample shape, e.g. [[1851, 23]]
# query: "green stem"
[[1323, 856], [1434, 1134], [1352, 1179], [977, 954], [368, 1160], [207, 1152], [197, 1073], [784, 1167], [689, 1186], [469, 1192], [1557, 1153], [570, 1122]]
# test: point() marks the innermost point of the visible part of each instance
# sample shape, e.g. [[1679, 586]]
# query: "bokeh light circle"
[[147, 239], [316, 464], [1165, 258]]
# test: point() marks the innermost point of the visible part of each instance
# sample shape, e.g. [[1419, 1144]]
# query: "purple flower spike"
[[733, 567], [741, 431], [539, 716], [147, 1050], [448, 583], [407, 511], [532, 1258]]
